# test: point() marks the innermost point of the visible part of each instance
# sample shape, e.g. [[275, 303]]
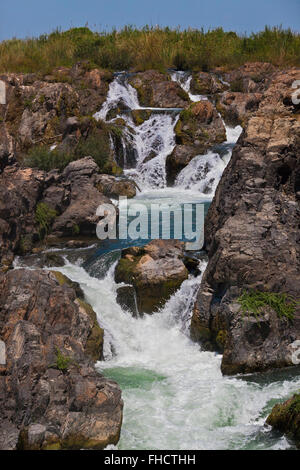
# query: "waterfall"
[[145, 147], [175, 396]]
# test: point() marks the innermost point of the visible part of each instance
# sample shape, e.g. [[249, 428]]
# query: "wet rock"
[[252, 238], [51, 396], [156, 271], [156, 89], [198, 129], [285, 418], [126, 297]]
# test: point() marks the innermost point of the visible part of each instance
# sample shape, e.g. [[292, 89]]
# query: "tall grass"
[[141, 49]]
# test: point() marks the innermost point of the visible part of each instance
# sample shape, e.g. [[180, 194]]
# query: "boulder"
[[156, 89], [114, 187], [80, 216], [126, 297], [204, 83], [285, 417], [51, 396], [252, 238], [156, 271]]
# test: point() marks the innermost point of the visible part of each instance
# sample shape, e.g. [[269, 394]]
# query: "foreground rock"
[[285, 417], [51, 396], [252, 238], [204, 83], [156, 89], [198, 129], [156, 271]]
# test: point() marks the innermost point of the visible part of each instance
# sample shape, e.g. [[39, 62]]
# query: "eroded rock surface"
[[252, 237], [51, 396], [285, 417]]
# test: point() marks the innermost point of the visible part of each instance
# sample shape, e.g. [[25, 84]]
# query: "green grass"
[[255, 303], [44, 216], [149, 47], [62, 362]]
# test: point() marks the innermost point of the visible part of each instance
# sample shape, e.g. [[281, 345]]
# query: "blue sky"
[[23, 18]]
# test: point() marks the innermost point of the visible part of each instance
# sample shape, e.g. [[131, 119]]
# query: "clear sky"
[[23, 18]]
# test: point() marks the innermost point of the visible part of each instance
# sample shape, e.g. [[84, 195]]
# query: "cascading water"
[[184, 79], [175, 396]]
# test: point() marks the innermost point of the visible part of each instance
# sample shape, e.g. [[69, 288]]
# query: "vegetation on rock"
[[256, 302]]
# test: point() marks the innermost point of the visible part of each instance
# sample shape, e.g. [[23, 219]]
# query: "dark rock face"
[[252, 237], [252, 77], [158, 90], [51, 396], [285, 417], [20, 190], [198, 129], [156, 271], [236, 107]]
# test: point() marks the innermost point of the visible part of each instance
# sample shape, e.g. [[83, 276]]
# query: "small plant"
[[255, 303], [44, 216], [62, 362], [75, 229]]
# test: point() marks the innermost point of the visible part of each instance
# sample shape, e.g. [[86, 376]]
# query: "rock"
[[252, 238], [80, 216], [20, 190], [114, 187], [126, 297], [51, 396], [140, 116], [252, 77], [156, 89], [156, 271], [204, 83], [41, 109], [198, 129], [285, 418], [236, 108], [2, 353]]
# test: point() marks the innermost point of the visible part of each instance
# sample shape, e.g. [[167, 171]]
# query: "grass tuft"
[[255, 302]]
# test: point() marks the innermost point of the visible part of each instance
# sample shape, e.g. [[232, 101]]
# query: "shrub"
[[62, 362], [44, 216]]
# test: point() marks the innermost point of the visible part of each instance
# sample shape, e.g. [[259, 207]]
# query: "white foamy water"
[[175, 396], [154, 140], [184, 79]]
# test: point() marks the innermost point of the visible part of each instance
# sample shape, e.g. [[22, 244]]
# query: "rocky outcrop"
[[252, 238], [156, 271], [156, 89], [285, 418], [37, 108], [198, 129], [51, 396], [236, 107], [39, 208], [252, 77]]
